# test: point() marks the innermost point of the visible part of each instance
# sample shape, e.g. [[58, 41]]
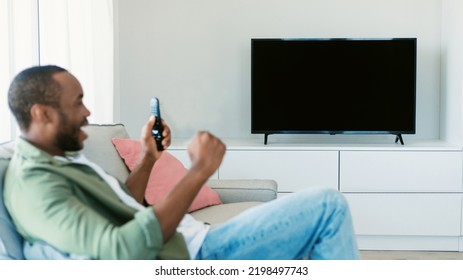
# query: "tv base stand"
[[399, 138], [266, 138]]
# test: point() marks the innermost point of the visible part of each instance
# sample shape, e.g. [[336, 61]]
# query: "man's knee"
[[328, 196]]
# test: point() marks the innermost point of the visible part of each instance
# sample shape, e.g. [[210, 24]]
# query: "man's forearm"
[[137, 180]]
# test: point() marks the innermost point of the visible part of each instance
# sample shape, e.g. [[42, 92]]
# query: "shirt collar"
[[28, 150]]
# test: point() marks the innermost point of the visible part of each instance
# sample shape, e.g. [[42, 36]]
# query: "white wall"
[[195, 54], [452, 71]]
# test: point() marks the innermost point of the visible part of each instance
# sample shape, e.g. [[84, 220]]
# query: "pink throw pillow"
[[166, 173]]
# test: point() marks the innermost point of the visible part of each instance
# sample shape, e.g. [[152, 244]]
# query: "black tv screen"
[[333, 86]]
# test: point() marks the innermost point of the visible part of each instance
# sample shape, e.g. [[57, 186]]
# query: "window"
[[18, 28], [74, 34]]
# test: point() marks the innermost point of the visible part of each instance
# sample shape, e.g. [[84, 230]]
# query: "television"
[[333, 86]]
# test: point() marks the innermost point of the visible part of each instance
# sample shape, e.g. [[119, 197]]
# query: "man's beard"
[[67, 138]]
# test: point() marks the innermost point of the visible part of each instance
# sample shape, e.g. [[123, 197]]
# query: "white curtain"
[[74, 34], [18, 49]]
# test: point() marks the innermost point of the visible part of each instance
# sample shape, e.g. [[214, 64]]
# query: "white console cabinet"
[[401, 197], [401, 171], [293, 170], [404, 199]]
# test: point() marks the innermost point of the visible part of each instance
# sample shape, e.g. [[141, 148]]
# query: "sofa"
[[235, 195]]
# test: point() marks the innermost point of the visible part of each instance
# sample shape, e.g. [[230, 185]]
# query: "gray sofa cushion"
[[10, 241], [7, 149], [99, 148], [233, 190]]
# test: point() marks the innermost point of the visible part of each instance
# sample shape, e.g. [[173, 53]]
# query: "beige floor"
[[410, 255]]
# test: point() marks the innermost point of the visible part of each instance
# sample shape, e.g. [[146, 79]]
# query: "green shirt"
[[70, 207]]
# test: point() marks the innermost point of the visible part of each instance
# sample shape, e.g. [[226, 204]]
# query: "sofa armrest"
[[244, 190]]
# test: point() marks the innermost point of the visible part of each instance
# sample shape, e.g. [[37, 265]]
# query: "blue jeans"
[[312, 224]]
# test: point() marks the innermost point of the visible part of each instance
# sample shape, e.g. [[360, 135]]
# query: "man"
[[57, 197]]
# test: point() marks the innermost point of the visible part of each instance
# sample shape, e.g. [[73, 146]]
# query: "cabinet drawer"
[[293, 170], [406, 214], [408, 171]]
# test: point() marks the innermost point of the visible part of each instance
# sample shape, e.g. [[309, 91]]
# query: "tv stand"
[[427, 182], [266, 138], [399, 138]]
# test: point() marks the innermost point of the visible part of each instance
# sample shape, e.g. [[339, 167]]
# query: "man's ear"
[[42, 113]]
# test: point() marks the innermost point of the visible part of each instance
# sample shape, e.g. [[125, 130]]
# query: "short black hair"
[[31, 86]]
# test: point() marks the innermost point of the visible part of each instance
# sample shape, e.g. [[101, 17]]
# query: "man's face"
[[72, 114]]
